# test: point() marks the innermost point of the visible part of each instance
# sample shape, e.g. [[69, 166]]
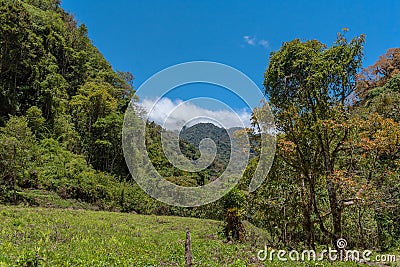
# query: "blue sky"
[[144, 37]]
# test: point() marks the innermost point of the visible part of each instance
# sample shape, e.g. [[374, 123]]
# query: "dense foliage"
[[61, 117], [61, 110], [336, 172]]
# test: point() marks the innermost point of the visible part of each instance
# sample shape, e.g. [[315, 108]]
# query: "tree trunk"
[[307, 210], [335, 210]]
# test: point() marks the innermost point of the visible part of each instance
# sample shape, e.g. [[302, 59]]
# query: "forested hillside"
[[61, 117], [220, 136], [61, 106]]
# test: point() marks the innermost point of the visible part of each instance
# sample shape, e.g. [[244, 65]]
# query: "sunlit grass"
[[62, 237]]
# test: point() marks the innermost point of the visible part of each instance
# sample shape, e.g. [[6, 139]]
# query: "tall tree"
[[311, 88]]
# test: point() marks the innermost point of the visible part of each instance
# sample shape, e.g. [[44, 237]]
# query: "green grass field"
[[64, 237]]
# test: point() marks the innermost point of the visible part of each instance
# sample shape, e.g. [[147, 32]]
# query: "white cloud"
[[264, 43], [173, 114], [252, 40]]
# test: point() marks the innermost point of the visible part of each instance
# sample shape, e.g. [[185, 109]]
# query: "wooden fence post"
[[188, 250]]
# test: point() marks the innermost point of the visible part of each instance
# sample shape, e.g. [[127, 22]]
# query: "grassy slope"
[[62, 237], [87, 238]]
